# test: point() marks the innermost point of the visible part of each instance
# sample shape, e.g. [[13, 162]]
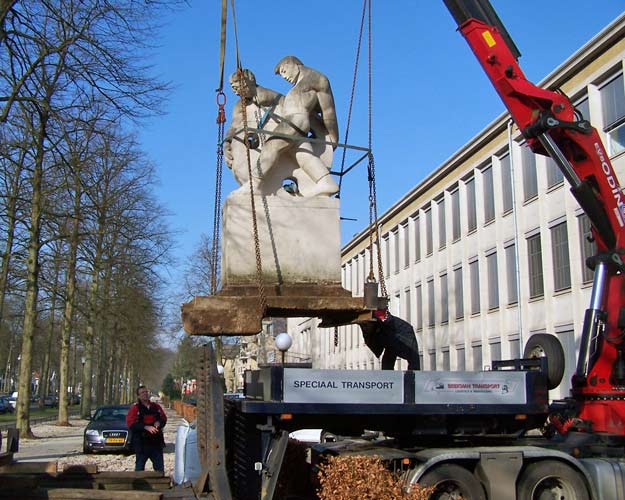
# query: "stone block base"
[[299, 240]]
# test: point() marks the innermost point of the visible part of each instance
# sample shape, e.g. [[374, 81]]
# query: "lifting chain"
[[351, 98], [262, 299], [373, 201], [221, 120]]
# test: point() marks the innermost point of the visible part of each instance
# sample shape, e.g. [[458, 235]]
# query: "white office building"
[[491, 247]]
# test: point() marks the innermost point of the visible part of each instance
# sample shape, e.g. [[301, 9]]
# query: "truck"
[[490, 435]]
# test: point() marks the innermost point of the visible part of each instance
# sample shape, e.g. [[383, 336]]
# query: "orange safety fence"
[[185, 410]]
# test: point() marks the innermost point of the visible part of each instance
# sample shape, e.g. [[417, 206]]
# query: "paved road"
[[57, 442], [66, 441]]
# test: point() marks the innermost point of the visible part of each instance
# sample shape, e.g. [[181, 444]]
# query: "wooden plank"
[[80, 469], [29, 468], [77, 494], [18, 482], [6, 458], [131, 474]]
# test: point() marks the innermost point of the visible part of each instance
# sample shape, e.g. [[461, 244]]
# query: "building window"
[[506, 182], [444, 299], [477, 357], [428, 232], [432, 359], [356, 274], [515, 347], [495, 350], [530, 182], [455, 215], [387, 254], [442, 236], [458, 295], [417, 239], [406, 243], [396, 247], [584, 108], [560, 255], [446, 362], [471, 206], [431, 302], [419, 309], [474, 276], [408, 308], [587, 247], [613, 106], [489, 195], [493, 281], [554, 174], [511, 274], [535, 264], [460, 359]]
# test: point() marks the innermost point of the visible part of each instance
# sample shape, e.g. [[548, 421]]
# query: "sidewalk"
[[64, 445]]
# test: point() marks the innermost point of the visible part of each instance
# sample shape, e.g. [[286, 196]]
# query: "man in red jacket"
[[145, 421]]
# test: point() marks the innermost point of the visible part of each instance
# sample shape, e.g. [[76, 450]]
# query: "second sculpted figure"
[[306, 112]]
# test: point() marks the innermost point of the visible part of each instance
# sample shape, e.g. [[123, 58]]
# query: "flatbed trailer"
[[480, 435]]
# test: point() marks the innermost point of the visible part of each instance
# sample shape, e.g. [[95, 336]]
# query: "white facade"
[[490, 248]]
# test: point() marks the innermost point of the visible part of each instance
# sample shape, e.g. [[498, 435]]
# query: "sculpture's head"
[[289, 68], [243, 83]]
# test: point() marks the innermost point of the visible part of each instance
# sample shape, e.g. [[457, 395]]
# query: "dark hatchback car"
[[107, 430], [5, 405]]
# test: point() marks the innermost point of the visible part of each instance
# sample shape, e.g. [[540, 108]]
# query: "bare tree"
[[54, 56]]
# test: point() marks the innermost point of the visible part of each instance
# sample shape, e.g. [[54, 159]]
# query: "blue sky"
[[429, 94]]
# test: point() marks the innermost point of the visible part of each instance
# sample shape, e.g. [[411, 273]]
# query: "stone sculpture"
[[291, 156], [297, 220]]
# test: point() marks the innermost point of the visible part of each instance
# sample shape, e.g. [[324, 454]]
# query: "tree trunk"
[[32, 285], [85, 401], [101, 376], [45, 365], [68, 312]]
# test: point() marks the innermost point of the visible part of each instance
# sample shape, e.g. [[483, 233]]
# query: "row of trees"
[[81, 235]]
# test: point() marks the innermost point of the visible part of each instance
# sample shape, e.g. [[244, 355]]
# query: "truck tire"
[[452, 481], [551, 479], [544, 345]]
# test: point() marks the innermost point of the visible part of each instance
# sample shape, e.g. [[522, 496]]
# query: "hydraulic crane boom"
[[552, 126]]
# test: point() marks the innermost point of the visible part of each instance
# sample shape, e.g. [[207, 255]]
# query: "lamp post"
[[283, 342], [83, 360]]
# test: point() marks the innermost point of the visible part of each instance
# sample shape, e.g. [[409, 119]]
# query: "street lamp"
[[283, 342], [83, 360]]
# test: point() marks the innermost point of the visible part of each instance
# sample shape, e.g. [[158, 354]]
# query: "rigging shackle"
[[221, 103]]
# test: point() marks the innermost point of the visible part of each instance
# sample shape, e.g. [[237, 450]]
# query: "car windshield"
[[110, 414]]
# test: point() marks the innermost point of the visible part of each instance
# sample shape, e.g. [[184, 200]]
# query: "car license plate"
[[115, 440]]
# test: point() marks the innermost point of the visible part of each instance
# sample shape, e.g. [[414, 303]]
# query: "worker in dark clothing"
[[145, 421], [394, 336]]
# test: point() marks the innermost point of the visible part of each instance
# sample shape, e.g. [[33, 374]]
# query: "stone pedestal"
[[299, 240], [300, 254]]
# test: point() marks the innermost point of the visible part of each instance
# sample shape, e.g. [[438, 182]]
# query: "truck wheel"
[[544, 345], [452, 482], [551, 479]]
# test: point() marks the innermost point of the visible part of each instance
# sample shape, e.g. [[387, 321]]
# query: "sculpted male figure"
[[244, 85], [309, 101]]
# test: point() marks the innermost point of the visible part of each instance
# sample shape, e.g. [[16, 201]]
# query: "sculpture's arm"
[[328, 113], [236, 124], [266, 97]]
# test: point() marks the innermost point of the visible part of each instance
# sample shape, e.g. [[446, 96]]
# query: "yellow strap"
[[222, 50], [236, 36]]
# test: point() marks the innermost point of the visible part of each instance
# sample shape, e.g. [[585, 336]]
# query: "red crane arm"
[[544, 115], [552, 126]]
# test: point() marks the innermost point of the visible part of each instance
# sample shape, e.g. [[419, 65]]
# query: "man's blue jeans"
[[154, 454]]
